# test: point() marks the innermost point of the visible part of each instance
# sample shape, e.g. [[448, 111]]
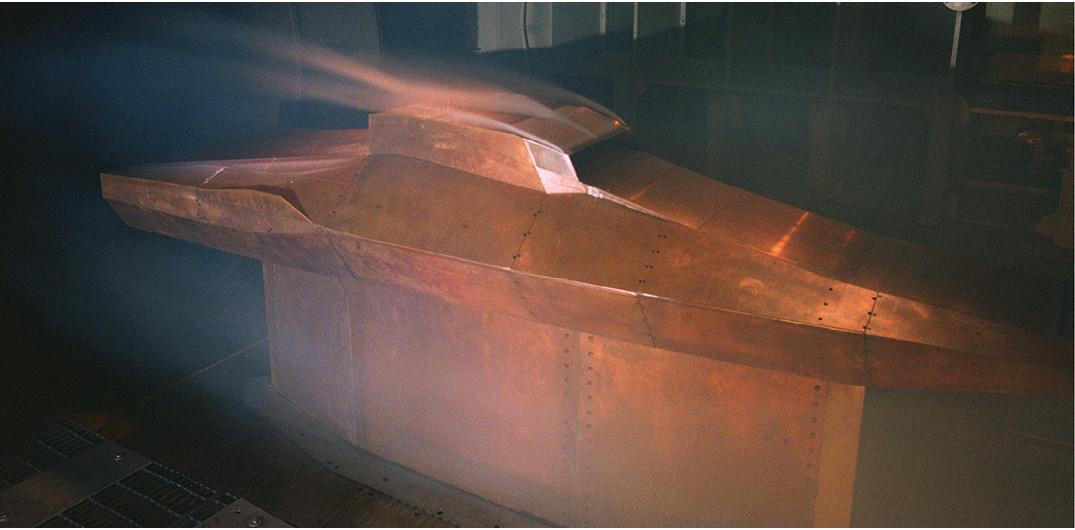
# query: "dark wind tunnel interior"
[[98, 316]]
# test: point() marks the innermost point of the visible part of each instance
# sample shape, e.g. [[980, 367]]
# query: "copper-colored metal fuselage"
[[548, 318]]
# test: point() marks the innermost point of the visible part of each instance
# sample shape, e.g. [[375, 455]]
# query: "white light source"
[[959, 8]]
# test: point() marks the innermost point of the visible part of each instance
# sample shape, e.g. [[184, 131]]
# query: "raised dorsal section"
[[528, 152]]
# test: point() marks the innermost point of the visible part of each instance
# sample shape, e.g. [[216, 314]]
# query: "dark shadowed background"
[[849, 110]]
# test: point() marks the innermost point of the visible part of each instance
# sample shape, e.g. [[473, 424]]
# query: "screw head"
[[255, 521], [119, 456]]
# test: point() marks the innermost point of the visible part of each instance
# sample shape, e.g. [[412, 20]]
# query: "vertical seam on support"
[[585, 432], [866, 337], [342, 259], [355, 389], [649, 329], [529, 228], [867, 371], [573, 443]]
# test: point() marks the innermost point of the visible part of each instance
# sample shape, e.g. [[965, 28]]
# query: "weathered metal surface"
[[712, 333], [589, 240], [674, 440], [418, 204], [312, 186], [263, 221], [904, 319], [879, 262], [606, 312], [805, 239], [387, 478], [834, 355], [580, 428], [597, 242], [589, 127], [425, 135], [541, 299], [309, 251], [291, 143], [672, 191], [495, 427], [310, 313], [464, 141], [820, 245], [895, 363], [826, 247], [684, 354], [580, 244]]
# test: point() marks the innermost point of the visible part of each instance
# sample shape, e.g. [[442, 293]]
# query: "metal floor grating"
[[152, 497], [30, 443], [34, 450]]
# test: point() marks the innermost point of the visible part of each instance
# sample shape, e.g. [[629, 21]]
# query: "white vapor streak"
[[346, 81]]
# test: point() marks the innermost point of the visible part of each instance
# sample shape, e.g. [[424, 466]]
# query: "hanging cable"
[[526, 42]]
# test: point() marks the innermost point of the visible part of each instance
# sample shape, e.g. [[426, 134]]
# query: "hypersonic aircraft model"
[[534, 311]]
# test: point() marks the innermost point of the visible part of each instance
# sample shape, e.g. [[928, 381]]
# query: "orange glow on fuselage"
[[850, 236], [779, 246]]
